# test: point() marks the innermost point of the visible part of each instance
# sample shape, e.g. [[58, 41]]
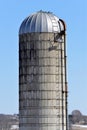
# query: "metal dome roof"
[[42, 22]]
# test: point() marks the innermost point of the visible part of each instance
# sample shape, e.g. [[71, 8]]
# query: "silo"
[[42, 73]]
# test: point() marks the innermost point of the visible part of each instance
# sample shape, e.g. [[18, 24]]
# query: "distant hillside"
[[77, 118], [9, 122], [76, 121]]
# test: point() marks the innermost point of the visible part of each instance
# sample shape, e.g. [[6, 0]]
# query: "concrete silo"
[[42, 73]]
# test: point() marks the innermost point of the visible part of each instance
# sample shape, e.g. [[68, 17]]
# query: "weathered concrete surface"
[[42, 83]]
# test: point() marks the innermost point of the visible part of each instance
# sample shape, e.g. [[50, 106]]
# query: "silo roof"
[[42, 21]]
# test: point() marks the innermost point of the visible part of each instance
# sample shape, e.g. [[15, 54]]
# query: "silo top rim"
[[42, 21]]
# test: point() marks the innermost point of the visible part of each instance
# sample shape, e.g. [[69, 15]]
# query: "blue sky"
[[75, 15]]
